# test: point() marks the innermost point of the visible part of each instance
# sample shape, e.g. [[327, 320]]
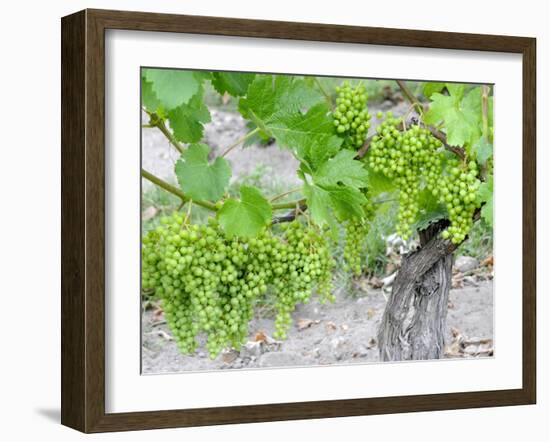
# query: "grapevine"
[[210, 275]]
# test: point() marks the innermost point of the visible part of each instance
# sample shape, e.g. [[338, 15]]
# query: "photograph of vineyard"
[[297, 220]]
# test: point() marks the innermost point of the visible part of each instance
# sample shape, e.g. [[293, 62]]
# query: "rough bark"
[[413, 324]]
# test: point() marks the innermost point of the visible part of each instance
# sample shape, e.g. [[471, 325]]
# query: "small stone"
[[466, 263], [338, 346], [251, 349], [229, 356]]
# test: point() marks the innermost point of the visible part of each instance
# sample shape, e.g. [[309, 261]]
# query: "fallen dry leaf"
[[303, 323], [457, 281], [488, 262], [330, 326], [260, 336], [370, 313], [462, 346], [375, 282], [158, 314]]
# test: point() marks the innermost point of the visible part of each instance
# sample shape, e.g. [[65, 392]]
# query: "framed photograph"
[[267, 221]]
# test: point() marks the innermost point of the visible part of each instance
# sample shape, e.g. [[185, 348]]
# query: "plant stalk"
[[240, 141], [175, 191]]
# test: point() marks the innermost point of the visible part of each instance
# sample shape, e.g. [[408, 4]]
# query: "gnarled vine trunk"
[[413, 324]]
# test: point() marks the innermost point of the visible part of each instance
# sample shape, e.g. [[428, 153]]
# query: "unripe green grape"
[[351, 115]]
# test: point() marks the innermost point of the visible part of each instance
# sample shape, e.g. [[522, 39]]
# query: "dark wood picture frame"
[[83, 216]]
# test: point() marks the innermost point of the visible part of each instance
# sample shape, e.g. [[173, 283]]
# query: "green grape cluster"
[[209, 283], [303, 261], [414, 159], [457, 190], [356, 231], [351, 116], [406, 157]]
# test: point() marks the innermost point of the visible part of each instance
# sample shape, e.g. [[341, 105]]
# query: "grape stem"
[[410, 96], [435, 132], [282, 195], [207, 204], [157, 122], [240, 141], [290, 216], [290, 205], [364, 149], [175, 191]]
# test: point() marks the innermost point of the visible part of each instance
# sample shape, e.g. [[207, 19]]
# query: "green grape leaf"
[[456, 90], [148, 97], [187, 120], [173, 87], [327, 202], [342, 168], [487, 212], [483, 150], [259, 137], [431, 88], [247, 217], [485, 197], [460, 113], [378, 183], [431, 210], [295, 114], [234, 83], [310, 135], [347, 202], [203, 75], [318, 204], [269, 95], [199, 179]]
